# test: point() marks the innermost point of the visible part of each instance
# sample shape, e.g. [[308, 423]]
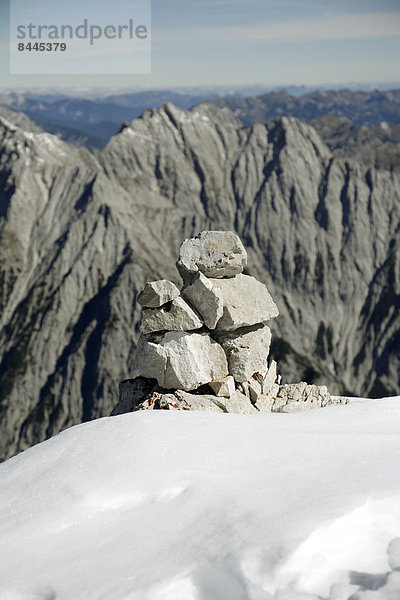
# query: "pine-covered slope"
[[80, 234]]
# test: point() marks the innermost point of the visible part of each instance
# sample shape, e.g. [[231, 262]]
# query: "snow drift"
[[200, 506]]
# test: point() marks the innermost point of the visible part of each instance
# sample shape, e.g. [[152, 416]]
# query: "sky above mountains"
[[236, 42]]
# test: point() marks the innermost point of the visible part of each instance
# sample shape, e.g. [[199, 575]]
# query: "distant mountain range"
[[91, 122], [360, 107], [354, 124], [80, 233]]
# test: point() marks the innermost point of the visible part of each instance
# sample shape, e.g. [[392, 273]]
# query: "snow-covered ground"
[[205, 506]]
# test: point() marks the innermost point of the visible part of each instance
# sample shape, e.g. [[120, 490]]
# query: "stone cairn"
[[206, 346]]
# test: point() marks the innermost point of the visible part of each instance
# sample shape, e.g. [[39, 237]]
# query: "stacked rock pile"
[[206, 346]]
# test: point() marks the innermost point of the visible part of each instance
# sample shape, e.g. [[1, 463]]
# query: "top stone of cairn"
[[215, 253]]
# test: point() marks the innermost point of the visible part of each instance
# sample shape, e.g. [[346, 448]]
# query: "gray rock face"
[[206, 298], [181, 360], [246, 302], [81, 234], [178, 316], [247, 351], [157, 293], [214, 253]]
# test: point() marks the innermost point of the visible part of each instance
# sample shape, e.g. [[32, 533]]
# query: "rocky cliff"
[[80, 235]]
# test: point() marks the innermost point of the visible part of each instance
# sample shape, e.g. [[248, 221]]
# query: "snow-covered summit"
[[202, 506]]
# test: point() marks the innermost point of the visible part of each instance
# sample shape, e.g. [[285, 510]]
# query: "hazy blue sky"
[[272, 42]]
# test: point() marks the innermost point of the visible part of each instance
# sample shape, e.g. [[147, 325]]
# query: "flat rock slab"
[[206, 298], [246, 302], [181, 360], [174, 316], [214, 253], [247, 351], [157, 293]]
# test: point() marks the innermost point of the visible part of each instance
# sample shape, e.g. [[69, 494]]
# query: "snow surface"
[[170, 505]]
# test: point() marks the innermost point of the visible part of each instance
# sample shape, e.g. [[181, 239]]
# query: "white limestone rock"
[[265, 402], [157, 293], [263, 389], [214, 253], [224, 386], [181, 400], [296, 397], [247, 351], [145, 394], [150, 360], [174, 316], [255, 389], [181, 360], [271, 377], [237, 403], [246, 302], [206, 298]]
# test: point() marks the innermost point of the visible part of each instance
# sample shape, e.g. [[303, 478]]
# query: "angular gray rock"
[[271, 377], [150, 359], [180, 360], [263, 390], [214, 253], [224, 386], [175, 316], [186, 401], [302, 396], [206, 298], [246, 302], [237, 403], [157, 293], [247, 351]]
